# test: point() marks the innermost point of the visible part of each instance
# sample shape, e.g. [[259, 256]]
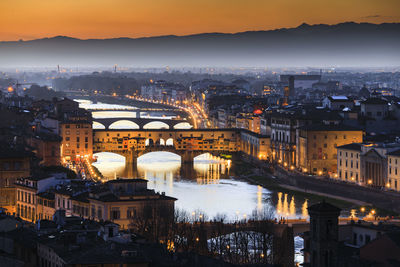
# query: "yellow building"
[[34, 201], [77, 135], [121, 201], [45, 208], [129, 200], [317, 146]]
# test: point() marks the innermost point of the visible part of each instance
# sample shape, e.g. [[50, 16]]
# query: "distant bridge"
[[132, 109], [138, 123]]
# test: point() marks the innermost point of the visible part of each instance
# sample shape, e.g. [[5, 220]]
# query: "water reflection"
[[211, 190], [209, 187], [287, 209]]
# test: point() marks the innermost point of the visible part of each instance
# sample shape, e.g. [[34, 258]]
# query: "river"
[[213, 190]]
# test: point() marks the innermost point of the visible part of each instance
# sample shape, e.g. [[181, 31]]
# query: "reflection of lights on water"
[[304, 209], [285, 206], [279, 205], [292, 207], [219, 195], [259, 197], [288, 210]]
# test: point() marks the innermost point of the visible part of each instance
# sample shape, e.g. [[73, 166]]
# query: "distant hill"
[[345, 44]]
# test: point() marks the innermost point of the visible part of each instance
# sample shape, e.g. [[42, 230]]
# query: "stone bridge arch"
[[183, 125], [128, 125], [152, 124], [142, 123]]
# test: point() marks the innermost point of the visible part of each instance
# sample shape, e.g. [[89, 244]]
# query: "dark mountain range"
[[345, 44]]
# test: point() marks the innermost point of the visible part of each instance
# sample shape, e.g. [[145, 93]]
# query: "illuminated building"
[[77, 135], [349, 163], [394, 170], [14, 164], [317, 143], [373, 164]]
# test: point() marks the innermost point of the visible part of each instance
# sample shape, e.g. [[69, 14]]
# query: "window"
[[67, 126], [115, 214], [17, 165], [131, 213], [325, 145], [67, 138], [344, 136]]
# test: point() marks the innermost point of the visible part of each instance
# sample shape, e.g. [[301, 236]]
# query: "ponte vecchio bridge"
[[187, 143]]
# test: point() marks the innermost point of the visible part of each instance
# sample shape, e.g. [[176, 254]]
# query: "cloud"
[[378, 16], [373, 17]]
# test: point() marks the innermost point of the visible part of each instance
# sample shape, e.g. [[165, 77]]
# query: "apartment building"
[[349, 163], [77, 135]]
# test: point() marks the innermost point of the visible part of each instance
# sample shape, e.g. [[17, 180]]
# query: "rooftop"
[[375, 101], [324, 207], [353, 146]]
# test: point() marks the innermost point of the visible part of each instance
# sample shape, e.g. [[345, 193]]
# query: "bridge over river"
[[138, 123]]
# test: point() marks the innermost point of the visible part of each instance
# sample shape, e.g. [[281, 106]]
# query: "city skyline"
[[105, 19]]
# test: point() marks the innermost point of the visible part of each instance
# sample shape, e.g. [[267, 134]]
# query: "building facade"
[[394, 170], [317, 146], [77, 135]]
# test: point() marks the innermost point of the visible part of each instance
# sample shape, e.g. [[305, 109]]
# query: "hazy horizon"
[[194, 33]]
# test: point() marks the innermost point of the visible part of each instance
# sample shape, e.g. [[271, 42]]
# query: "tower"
[[291, 87], [324, 235]]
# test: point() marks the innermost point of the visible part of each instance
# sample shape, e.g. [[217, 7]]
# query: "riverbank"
[[252, 174], [316, 189]]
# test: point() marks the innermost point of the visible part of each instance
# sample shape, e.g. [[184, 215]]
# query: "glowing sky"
[[29, 19]]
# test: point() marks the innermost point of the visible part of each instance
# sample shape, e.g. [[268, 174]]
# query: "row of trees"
[[241, 242]]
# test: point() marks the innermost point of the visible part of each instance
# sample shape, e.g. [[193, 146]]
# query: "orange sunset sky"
[[30, 19]]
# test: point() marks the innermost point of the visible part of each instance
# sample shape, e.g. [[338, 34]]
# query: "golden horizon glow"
[[85, 19]]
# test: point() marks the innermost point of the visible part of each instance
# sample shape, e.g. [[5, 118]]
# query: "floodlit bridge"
[[187, 143], [137, 123]]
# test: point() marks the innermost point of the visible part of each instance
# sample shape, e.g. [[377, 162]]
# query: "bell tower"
[[324, 234]]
